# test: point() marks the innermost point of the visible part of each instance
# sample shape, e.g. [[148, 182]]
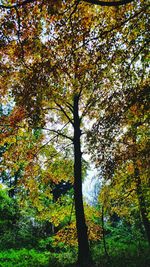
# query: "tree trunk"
[[83, 244], [142, 205], [103, 232]]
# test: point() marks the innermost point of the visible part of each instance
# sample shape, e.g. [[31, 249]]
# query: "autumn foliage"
[[74, 93]]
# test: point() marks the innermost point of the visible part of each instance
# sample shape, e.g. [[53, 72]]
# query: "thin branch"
[[64, 112], [48, 129], [57, 153], [88, 106], [61, 134], [129, 193], [105, 32], [44, 145], [49, 108], [138, 53], [91, 101], [75, 8], [112, 3], [57, 132], [118, 25], [124, 196], [69, 106]]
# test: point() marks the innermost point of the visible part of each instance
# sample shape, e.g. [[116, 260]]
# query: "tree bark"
[[83, 244]]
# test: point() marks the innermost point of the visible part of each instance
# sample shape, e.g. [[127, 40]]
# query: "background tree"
[[125, 168]]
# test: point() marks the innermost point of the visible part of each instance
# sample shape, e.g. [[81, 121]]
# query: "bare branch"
[[112, 3]]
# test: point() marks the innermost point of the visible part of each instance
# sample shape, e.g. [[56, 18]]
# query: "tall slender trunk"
[[142, 205], [13, 185], [103, 229], [83, 244]]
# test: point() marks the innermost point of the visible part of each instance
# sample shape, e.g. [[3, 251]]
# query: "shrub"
[[24, 258]]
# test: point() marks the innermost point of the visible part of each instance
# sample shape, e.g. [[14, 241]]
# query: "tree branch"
[[88, 106], [112, 3], [121, 24], [62, 109], [69, 106], [58, 133], [56, 153], [94, 2], [75, 8]]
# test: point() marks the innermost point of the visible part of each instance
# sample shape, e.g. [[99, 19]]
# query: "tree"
[[58, 67], [126, 178]]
